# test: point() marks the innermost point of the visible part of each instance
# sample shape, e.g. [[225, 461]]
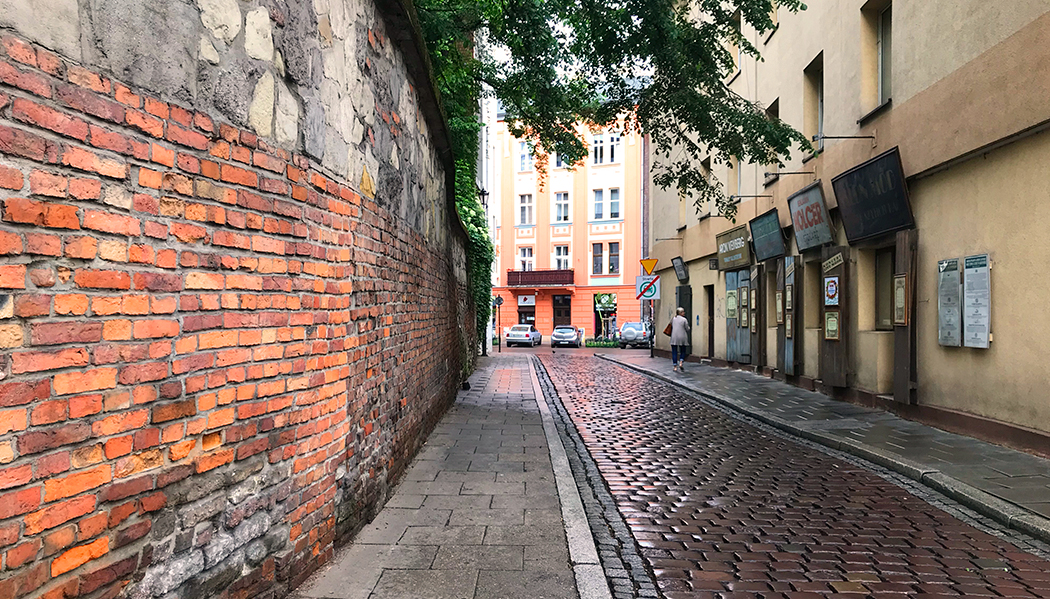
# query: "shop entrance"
[[527, 315], [562, 310], [604, 314]]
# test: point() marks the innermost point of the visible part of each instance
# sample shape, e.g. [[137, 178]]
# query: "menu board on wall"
[[949, 295], [977, 302]]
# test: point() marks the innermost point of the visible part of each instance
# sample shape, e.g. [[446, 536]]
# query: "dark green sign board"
[[767, 237]]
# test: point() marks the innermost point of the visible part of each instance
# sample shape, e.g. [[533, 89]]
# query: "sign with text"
[[647, 287], [949, 298], [767, 237], [526, 300], [977, 302], [733, 249], [873, 198], [809, 215]]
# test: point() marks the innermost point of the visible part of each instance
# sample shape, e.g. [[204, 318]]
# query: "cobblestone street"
[[720, 508]]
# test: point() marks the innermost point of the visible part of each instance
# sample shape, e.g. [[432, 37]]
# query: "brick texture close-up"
[[232, 288]]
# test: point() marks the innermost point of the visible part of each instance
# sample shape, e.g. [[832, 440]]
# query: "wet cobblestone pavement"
[[722, 509]]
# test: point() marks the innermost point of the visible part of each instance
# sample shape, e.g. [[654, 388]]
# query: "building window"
[[561, 207], [599, 205], [885, 264], [614, 258], [614, 203], [524, 157], [884, 41], [597, 260], [598, 148], [614, 147], [525, 209], [735, 48], [814, 101], [561, 257], [526, 258], [557, 161]]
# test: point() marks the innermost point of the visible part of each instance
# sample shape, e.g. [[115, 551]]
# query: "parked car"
[[634, 334], [566, 335], [524, 334]]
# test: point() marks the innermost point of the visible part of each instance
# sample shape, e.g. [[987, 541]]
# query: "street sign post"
[[498, 301], [653, 289]]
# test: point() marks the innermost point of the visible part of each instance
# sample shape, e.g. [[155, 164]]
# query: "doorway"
[[709, 295], [562, 310], [526, 315]]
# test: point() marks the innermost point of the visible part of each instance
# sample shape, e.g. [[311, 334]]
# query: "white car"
[[524, 334]]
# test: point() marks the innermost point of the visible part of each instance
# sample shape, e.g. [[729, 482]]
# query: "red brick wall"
[[204, 338]]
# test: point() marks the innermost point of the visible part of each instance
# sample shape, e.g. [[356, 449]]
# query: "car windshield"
[[521, 328], [632, 325], [565, 329]]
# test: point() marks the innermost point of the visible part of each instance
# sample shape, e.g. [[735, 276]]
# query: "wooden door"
[[732, 338], [758, 317], [791, 313], [743, 303], [905, 381], [834, 354]]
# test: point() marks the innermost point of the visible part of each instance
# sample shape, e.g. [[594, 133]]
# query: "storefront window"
[[884, 267]]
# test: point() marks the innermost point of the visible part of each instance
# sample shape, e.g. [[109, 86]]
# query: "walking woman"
[[679, 339]]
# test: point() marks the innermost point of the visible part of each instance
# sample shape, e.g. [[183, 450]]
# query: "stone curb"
[[590, 577], [1005, 513]]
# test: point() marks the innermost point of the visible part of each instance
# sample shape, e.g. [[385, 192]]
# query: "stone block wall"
[[232, 289]]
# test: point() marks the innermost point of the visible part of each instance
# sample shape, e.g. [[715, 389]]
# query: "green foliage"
[[662, 65], [593, 343]]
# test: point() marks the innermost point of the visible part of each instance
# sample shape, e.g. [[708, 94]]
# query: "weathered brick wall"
[[227, 320]]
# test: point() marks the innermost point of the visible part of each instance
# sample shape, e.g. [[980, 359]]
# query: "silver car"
[[634, 334], [566, 335], [524, 334]]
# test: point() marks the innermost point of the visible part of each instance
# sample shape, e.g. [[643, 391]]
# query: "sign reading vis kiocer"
[[809, 215], [733, 249], [873, 198]]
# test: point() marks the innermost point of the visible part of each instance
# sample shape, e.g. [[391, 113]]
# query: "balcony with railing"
[[540, 278]]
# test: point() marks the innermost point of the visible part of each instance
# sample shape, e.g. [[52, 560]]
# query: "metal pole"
[[499, 331], [652, 333]]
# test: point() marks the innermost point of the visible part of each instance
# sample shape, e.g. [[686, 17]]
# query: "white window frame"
[[601, 258], [562, 208], [609, 260], [614, 200], [525, 209], [598, 148], [525, 159], [562, 261], [615, 148], [526, 259], [557, 161], [598, 203]]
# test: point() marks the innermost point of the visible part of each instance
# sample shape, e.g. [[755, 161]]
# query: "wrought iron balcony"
[[540, 278]]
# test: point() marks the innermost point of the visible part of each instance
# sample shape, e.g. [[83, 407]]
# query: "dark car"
[[566, 335], [634, 334]]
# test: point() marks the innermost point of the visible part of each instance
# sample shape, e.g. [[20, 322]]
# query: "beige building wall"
[[970, 80]]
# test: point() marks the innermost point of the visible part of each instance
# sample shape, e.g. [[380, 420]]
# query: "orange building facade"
[[564, 238]]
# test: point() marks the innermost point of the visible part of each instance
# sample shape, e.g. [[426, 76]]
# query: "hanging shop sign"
[[949, 296], [873, 197], [832, 262], [977, 302], [680, 269], [733, 249], [767, 236], [526, 300], [809, 216]]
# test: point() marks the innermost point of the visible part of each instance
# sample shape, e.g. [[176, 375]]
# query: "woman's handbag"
[[667, 330]]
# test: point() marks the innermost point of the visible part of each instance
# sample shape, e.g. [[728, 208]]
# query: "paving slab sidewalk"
[[478, 515], [1009, 486]]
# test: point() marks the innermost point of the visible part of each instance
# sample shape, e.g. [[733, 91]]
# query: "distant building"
[[570, 239], [931, 156]]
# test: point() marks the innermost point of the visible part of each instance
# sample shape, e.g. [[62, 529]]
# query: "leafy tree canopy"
[[661, 64]]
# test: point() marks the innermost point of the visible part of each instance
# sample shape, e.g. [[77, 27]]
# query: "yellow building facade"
[[931, 156]]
